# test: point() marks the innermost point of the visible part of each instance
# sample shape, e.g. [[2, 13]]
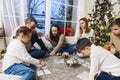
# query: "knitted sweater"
[[116, 41]]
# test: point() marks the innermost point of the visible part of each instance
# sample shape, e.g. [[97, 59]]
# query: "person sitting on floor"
[[17, 60], [57, 39], [31, 23], [84, 31], [115, 38], [101, 60]]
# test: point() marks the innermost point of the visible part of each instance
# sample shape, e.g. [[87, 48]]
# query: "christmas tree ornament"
[[101, 1]]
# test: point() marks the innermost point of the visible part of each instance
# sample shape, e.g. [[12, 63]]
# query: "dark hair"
[[30, 19], [87, 28], [24, 30], [116, 22], [82, 43], [55, 38]]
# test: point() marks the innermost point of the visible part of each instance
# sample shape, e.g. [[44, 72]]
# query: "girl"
[[17, 60], [57, 39], [84, 30]]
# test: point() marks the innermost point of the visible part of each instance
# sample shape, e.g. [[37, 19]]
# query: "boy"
[[101, 61], [115, 37]]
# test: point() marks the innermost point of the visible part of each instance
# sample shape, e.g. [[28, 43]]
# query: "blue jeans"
[[22, 70], [68, 48], [106, 76], [35, 53]]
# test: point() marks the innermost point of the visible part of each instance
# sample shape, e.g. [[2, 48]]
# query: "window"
[[46, 12], [63, 13], [36, 8]]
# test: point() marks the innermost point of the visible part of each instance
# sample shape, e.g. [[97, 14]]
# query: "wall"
[[116, 8]]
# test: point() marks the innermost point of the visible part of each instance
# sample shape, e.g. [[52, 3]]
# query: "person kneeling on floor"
[[17, 60], [101, 61]]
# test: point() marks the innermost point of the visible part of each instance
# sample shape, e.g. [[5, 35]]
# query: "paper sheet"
[[42, 71], [83, 76]]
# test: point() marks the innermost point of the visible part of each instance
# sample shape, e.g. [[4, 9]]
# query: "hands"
[[39, 34], [52, 53], [78, 38], [95, 77], [113, 50], [47, 37], [42, 63]]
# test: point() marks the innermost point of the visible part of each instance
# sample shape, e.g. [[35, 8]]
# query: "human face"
[[31, 25], [82, 24], [54, 31], [116, 30], [86, 51], [25, 38]]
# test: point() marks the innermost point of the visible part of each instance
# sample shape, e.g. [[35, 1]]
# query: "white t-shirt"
[[103, 60], [89, 35]]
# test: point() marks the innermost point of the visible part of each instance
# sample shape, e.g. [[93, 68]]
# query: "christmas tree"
[[100, 20]]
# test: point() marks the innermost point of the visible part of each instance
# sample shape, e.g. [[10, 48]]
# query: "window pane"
[[66, 2], [36, 8], [58, 12], [71, 13], [41, 26], [58, 1], [61, 24], [70, 28], [71, 2]]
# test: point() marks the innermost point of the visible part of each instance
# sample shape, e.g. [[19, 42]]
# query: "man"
[[101, 61], [31, 23], [115, 38]]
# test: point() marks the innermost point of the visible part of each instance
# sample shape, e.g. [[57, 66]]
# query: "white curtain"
[[13, 14], [0, 14]]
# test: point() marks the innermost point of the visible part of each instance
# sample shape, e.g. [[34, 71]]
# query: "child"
[[57, 39], [84, 31], [115, 37], [17, 60], [101, 60]]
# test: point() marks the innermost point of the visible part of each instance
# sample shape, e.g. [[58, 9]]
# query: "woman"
[[84, 30], [57, 39]]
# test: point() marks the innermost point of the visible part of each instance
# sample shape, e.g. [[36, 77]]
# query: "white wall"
[[0, 13], [89, 6], [116, 8]]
